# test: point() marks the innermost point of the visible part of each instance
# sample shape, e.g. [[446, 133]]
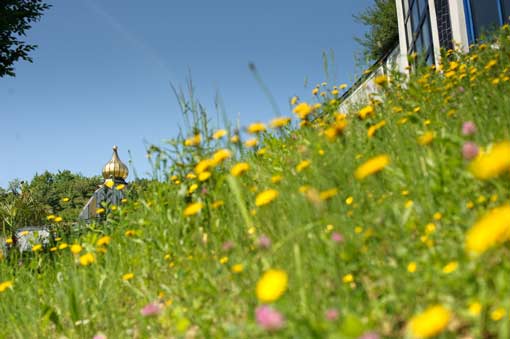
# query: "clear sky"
[[102, 73]]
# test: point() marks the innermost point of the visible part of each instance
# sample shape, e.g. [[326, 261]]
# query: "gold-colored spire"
[[115, 168]]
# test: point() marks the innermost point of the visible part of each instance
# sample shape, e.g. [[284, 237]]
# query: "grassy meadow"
[[389, 221]]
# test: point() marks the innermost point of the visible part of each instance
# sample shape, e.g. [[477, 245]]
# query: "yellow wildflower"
[[372, 166], [294, 100], [348, 278], [366, 112], [265, 197], [237, 268], [193, 141], [62, 246], [251, 142], [130, 233], [36, 247], [493, 163], [430, 323], [411, 267], [315, 91], [204, 165], [217, 204], [204, 176], [5, 285], [127, 276], [303, 110], [426, 138], [276, 179], [271, 285], [374, 128], [104, 240], [100, 210], [50, 217], [302, 165], [279, 122], [76, 248], [120, 187], [437, 216], [475, 308], [381, 80], [109, 183], [66, 199], [219, 134], [224, 260], [192, 188], [430, 228], [239, 169], [358, 229], [221, 155], [450, 267], [262, 151], [328, 194], [87, 259], [193, 209], [234, 139], [256, 127], [498, 314], [58, 219], [491, 229]]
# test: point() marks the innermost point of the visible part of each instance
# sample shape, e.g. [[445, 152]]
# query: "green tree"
[[382, 34], [16, 17]]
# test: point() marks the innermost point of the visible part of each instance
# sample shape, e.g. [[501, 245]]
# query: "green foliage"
[[16, 17], [382, 34], [349, 250]]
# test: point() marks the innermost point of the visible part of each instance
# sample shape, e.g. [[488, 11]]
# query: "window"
[[483, 16], [418, 31], [506, 10]]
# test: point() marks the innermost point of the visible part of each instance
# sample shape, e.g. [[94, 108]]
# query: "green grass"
[[180, 261]]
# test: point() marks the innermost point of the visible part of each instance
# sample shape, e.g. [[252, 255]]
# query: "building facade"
[[426, 26]]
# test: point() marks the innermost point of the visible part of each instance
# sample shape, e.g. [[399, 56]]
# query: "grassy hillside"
[[377, 223]]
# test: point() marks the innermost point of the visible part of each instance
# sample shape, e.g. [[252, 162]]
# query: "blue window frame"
[[483, 16]]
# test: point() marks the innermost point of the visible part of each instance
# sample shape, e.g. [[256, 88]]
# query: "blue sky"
[[102, 73]]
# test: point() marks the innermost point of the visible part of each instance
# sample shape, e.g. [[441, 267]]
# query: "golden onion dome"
[[115, 168]]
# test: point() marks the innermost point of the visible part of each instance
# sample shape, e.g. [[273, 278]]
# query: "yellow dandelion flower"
[[265, 197], [374, 128], [328, 194], [127, 276], [100, 210], [234, 139], [365, 112], [251, 142], [66, 199], [450, 267], [493, 163], [193, 141], [219, 134], [429, 323], [221, 155], [348, 278], [87, 259], [381, 80], [315, 91], [349, 200], [426, 138], [475, 308], [76, 248], [50, 217], [358, 229], [224, 260], [62, 246], [372, 166], [190, 176], [491, 229], [437, 216], [58, 219], [303, 110], [257, 127], [53, 249], [262, 151], [217, 204], [204, 176], [276, 179], [294, 100], [204, 165], [36, 248], [239, 169], [279, 122], [5, 285], [193, 209], [109, 183], [498, 314], [130, 233], [302, 165], [329, 228], [104, 240], [271, 285], [409, 204], [411, 267], [120, 187], [430, 228], [192, 188], [237, 268], [334, 92]]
